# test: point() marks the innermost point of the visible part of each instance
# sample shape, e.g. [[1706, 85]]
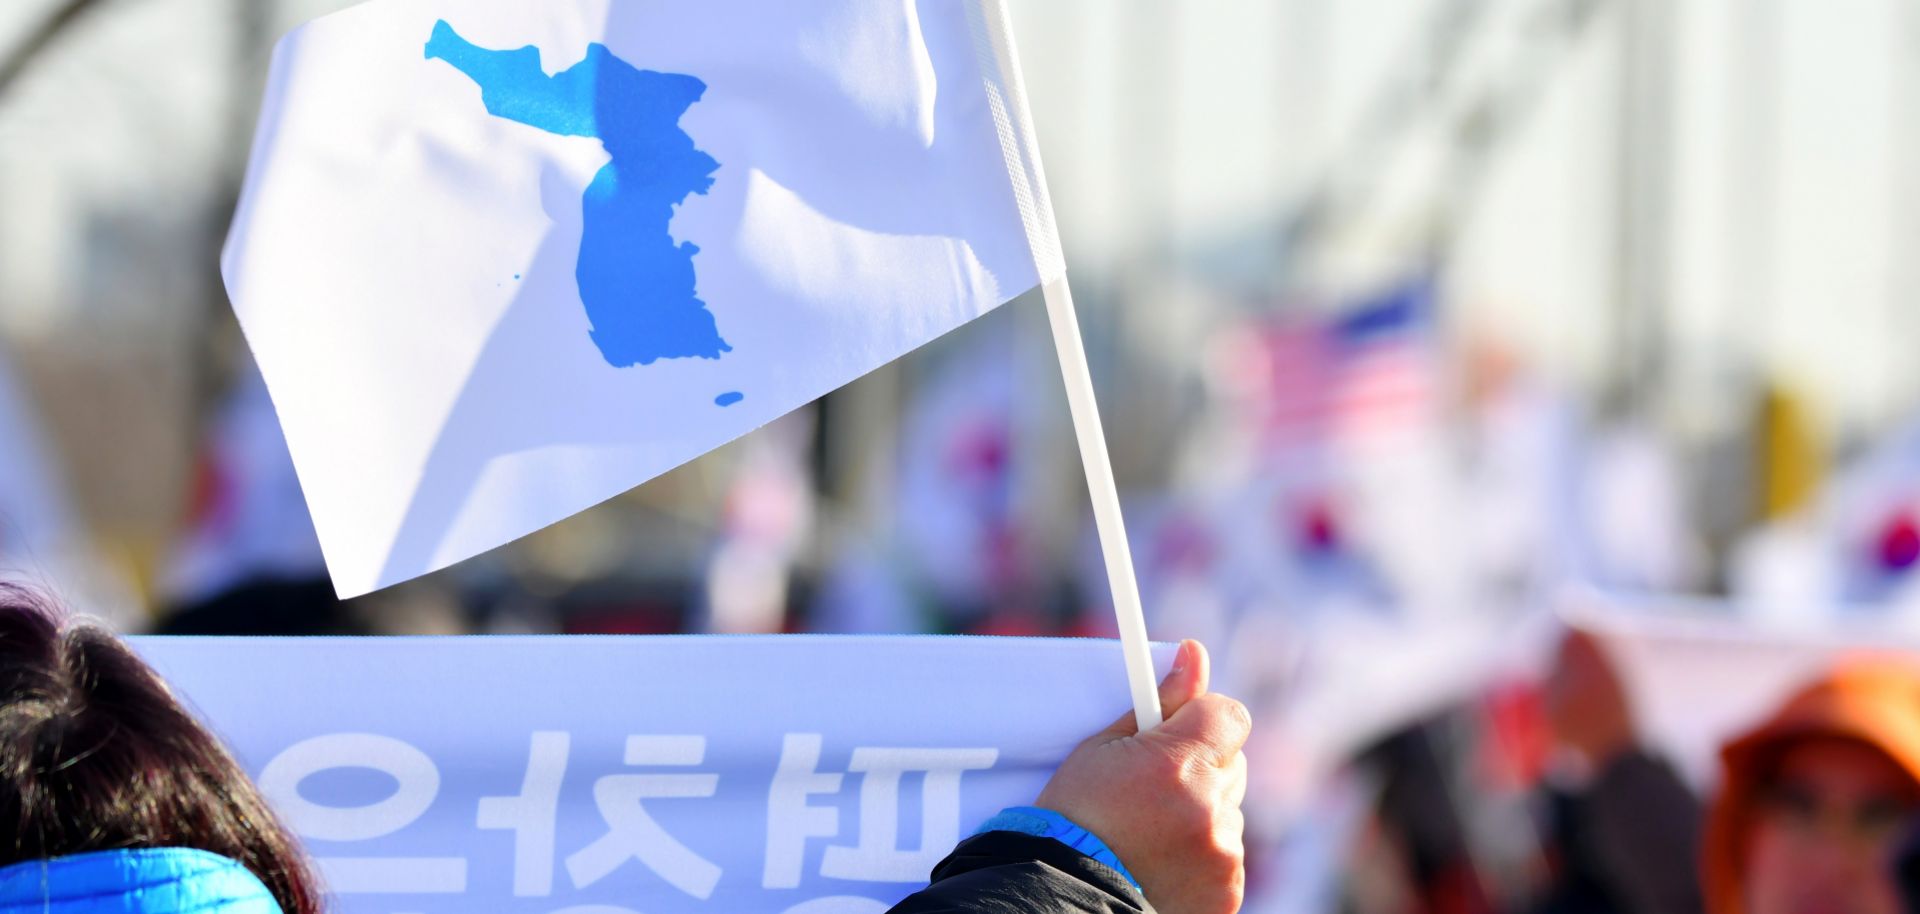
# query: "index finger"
[[1218, 725]]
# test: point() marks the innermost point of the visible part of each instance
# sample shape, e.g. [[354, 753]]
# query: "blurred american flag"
[[1366, 373]]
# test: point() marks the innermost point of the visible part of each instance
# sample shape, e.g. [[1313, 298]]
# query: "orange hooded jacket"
[[1876, 702]]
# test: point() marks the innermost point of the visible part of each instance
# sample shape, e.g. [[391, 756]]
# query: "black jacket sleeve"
[[1009, 873]]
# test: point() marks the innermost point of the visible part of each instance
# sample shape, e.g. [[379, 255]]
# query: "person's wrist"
[[1046, 823]]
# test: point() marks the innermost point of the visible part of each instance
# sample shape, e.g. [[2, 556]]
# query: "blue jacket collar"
[[168, 880]]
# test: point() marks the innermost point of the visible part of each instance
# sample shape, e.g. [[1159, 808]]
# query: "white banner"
[[669, 775]]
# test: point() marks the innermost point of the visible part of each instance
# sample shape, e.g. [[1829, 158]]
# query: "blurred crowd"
[[1431, 575]]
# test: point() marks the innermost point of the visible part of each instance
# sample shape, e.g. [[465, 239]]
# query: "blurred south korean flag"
[[501, 260]]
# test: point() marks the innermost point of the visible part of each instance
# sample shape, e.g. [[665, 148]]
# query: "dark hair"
[[96, 754]]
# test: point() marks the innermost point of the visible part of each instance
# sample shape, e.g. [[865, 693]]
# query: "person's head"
[[1815, 801], [96, 755]]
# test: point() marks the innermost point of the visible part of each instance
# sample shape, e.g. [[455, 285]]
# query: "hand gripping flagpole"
[[1006, 94]]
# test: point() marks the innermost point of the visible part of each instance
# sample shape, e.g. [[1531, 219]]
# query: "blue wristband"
[[1045, 823]]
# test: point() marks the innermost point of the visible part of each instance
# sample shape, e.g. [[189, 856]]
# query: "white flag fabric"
[[626, 775], [500, 260]]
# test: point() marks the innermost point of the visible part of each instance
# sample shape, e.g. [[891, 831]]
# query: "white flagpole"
[[1106, 502], [1008, 98]]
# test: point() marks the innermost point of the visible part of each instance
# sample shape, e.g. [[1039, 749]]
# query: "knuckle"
[[1237, 717], [1228, 719], [1233, 824], [1236, 889], [1234, 859], [1227, 882], [1236, 770], [1229, 840], [1231, 869]]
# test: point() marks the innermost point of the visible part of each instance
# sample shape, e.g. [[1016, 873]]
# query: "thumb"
[[1192, 669], [1186, 681]]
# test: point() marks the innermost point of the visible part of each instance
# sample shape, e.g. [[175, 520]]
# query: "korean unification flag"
[[500, 260]]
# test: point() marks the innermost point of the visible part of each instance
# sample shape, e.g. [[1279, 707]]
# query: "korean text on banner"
[[620, 775]]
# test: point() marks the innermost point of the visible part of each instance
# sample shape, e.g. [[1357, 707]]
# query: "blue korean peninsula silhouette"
[[637, 284]]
